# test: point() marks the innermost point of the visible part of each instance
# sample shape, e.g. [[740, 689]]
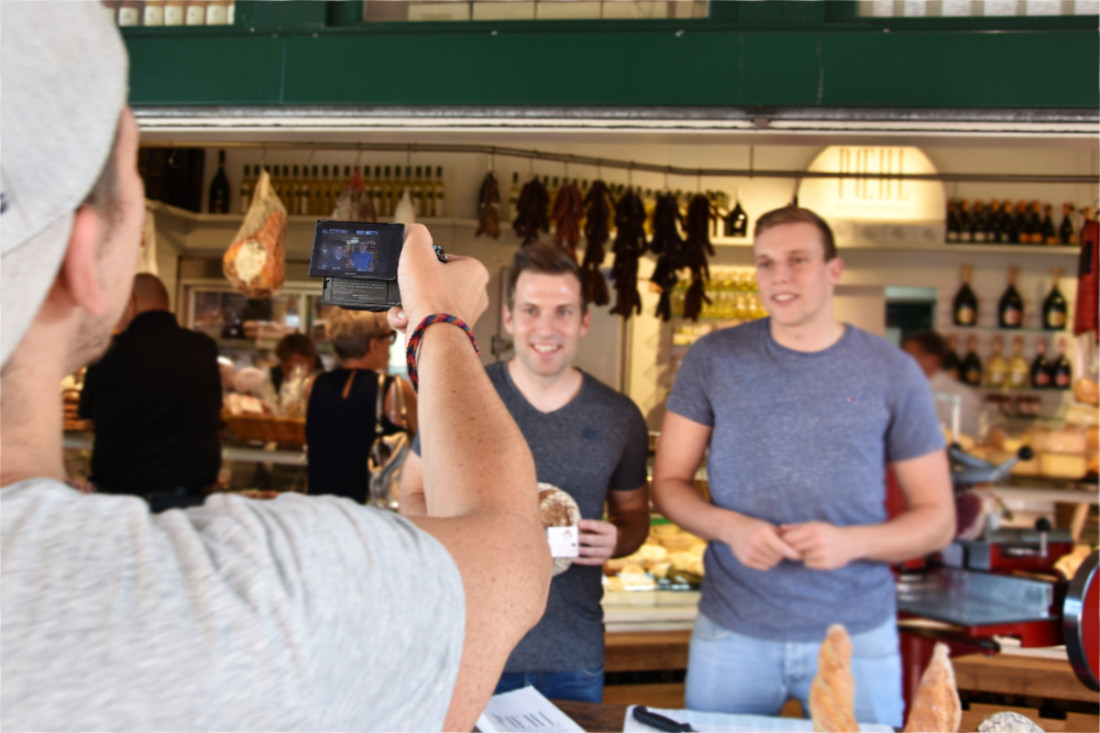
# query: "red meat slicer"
[[1001, 584]]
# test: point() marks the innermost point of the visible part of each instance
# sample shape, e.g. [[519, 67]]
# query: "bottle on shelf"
[[1035, 223], [737, 222], [966, 222], [980, 224], [376, 191], [245, 190], [1040, 366], [996, 370], [417, 192], [1067, 233], [1022, 224], [218, 201], [437, 187], [996, 223], [1061, 373], [1019, 371], [972, 364], [1055, 308], [965, 308], [1010, 308], [386, 184], [951, 363], [952, 234], [1050, 234]]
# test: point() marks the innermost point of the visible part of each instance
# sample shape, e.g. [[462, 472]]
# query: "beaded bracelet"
[[418, 335]]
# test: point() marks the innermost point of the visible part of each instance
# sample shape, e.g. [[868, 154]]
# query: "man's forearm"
[[681, 503], [915, 533], [470, 443], [633, 530]]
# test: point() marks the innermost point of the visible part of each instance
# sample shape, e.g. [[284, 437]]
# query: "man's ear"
[[79, 273], [836, 269], [506, 317], [586, 322]]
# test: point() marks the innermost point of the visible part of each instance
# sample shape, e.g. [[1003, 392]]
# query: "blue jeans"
[[582, 685], [731, 673]]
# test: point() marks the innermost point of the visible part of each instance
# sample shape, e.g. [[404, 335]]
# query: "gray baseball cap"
[[63, 85]]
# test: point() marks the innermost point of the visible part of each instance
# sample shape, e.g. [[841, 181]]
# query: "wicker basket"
[[266, 428]]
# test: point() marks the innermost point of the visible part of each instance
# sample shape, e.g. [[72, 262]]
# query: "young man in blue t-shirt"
[[802, 416]]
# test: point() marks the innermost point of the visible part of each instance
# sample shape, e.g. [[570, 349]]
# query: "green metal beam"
[[802, 54]]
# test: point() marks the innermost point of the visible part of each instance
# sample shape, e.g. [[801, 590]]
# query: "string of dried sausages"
[[488, 207], [668, 245], [568, 212], [696, 248], [596, 234], [531, 212], [629, 245]]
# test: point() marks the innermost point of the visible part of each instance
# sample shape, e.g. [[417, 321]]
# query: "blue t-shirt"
[[797, 437]]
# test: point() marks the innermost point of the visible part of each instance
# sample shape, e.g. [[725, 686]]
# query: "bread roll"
[[936, 706], [558, 509], [832, 692], [1085, 390], [1008, 722]]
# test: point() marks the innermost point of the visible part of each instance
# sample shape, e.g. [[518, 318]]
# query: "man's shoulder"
[[596, 392]]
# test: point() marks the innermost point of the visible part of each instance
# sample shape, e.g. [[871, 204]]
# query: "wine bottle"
[[1055, 308], [218, 202], [952, 221], [1018, 369], [996, 230], [980, 223], [1010, 233], [418, 192], [246, 190], [1050, 234], [1067, 234], [972, 365], [1035, 223], [1040, 367], [440, 192], [737, 223], [965, 308], [1061, 373], [951, 364], [966, 222], [996, 371], [1010, 309], [1023, 224]]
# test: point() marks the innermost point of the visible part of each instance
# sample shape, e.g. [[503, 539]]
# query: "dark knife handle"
[[660, 722]]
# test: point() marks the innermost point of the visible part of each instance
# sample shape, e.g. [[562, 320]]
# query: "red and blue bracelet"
[[418, 335]]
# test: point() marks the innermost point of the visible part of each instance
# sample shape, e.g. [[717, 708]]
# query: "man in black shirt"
[[155, 398]]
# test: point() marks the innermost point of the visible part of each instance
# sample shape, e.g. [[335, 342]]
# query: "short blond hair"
[[351, 332]]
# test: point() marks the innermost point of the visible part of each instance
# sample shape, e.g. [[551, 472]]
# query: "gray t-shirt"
[[798, 437], [300, 613], [597, 442]]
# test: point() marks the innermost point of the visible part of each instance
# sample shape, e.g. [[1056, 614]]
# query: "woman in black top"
[[341, 404]]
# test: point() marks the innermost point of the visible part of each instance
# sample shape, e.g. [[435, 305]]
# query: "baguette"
[[832, 692], [936, 706]]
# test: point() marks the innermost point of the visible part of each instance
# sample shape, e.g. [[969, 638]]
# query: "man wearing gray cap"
[[292, 614]]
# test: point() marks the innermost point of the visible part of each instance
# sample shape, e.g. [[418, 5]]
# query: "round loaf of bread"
[[558, 509]]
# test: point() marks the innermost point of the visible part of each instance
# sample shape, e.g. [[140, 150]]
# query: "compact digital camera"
[[358, 261]]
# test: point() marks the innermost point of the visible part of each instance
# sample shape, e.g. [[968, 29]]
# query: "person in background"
[[292, 351], [155, 399], [587, 440], [929, 349], [802, 415], [299, 613], [342, 404]]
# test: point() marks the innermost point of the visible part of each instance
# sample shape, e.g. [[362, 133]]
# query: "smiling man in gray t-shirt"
[[802, 416]]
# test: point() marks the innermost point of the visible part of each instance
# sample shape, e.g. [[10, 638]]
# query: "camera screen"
[[356, 250]]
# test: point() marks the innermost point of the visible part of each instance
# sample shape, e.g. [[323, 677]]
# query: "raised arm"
[[411, 502], [478, 474]]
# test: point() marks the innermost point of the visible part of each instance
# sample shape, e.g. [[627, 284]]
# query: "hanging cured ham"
[[568, 212], [531, 210], [668, 245], [255, 263], [696, 249], [596, 235], [629, 246]]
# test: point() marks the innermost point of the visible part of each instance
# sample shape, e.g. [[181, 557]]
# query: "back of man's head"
[[928, 348], [149, 293], [543, 259], [63, 71]]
